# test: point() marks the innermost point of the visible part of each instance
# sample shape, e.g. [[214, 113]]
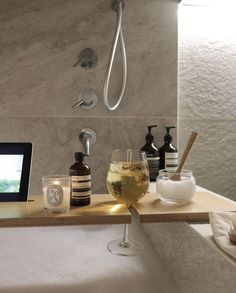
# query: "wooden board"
[[151, 209], [102, 210]]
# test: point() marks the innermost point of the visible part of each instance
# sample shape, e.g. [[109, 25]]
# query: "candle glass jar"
[[176, 188], [56, 193]]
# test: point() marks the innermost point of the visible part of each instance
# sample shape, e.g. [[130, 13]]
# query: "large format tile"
[[41, 41], [213, 157], [56, 139]]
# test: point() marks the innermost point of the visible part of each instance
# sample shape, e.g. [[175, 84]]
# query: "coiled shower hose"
[[118, 36]]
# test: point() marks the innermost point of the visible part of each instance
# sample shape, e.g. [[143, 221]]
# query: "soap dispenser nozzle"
[[168, 128], [149, 136], [150, 128], [168, 137]]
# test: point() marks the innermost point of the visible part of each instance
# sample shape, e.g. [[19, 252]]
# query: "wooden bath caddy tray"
[[105, 210], [102, 210], [150, 209]]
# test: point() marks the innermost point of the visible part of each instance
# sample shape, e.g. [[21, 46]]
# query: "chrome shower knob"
[[87, 99]]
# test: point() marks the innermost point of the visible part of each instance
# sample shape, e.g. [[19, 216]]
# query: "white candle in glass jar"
[[56, 193]]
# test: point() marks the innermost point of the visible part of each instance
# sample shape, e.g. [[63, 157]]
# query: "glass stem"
[[125, 241]]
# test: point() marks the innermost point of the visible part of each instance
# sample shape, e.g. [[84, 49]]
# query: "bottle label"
[[171, 161], [81, 178], [81, 194], [81, 184], [80, 187], [154, 167]]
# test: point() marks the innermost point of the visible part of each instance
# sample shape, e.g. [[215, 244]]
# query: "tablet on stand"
[[15, 166]]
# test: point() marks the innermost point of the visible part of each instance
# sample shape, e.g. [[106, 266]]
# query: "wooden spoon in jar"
[[176, 177]]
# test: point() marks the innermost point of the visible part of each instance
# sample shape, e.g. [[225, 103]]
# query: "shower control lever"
[[87, 99], [78, 104]]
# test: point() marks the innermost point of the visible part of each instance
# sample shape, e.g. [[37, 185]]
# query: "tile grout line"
[[89, 117]]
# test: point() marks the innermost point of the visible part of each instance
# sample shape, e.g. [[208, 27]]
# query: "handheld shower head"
[[115, 4]]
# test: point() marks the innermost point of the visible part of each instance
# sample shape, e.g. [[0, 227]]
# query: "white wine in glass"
[[127, 181]]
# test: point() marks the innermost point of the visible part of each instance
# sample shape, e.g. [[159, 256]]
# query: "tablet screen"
[[10, 173], [15, 164]]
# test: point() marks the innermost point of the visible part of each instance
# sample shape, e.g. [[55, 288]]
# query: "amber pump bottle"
[[168, 153], [152, 154], [80, 181]]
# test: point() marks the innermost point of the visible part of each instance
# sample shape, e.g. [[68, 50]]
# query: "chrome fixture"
[[117, 6], [87, 99], [87, 58], [87, 137]]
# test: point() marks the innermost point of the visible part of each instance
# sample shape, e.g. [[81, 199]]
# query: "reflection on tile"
[[213, 157], [56, 139]]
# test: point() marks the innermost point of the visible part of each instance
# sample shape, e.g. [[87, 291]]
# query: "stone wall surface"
[[207, 90], [40, 43], [195, 264]]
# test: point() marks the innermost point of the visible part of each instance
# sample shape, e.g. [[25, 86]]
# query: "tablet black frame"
[[25, 149]]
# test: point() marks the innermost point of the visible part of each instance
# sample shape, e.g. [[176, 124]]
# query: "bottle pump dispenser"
[[152, 154], [168, 153]]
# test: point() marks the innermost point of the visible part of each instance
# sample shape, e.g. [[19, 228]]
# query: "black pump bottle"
[[80, 181], [152, 154], [168, 153]]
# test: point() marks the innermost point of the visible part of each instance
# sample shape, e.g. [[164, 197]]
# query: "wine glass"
[[127, 181]]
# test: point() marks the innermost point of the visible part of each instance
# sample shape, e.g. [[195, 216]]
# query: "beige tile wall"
[[40, 42]]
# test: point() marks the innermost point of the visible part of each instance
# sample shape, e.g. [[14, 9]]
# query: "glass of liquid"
[[127, 181]]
